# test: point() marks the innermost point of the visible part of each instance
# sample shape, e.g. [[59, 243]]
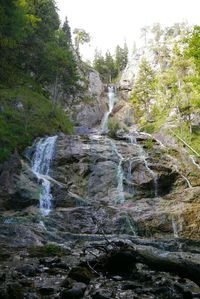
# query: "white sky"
[[110, 22]]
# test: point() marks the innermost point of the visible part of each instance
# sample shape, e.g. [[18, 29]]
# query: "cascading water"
[[41, 162], [111, 101], [175, 229], [120, 175], [176, 168], [194, 162]]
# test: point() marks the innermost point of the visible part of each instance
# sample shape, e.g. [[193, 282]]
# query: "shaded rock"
[[19, 187], [45, 291], [27, 269], [15, 291], [76, 292], [102, 294], [81, 274]]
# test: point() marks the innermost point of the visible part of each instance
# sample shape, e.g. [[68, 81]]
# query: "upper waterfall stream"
[[111, 102]]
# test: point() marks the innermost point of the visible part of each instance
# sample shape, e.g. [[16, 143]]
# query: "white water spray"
[[194, 162], [174, 227], [41, 162]]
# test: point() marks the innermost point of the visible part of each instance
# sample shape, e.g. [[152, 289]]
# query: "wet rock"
[[102, 294]]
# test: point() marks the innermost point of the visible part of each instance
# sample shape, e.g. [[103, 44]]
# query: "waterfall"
[[153, 175], [130, 176], [175, 229], [194, 162], [120, 175], [176, 168], [133, 230], [187, 181], [41, 162], [111, 101]]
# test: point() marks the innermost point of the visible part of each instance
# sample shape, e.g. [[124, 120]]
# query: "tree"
[[144, 32], [143, 89], [100, 65], [81, 37], [157, 31], [12, 32], [67, 30], [121, 57]]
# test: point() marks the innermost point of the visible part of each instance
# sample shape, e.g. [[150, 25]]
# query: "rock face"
[[128, 185], [130, 192], [131, 70], [88, 110], [157, 196]]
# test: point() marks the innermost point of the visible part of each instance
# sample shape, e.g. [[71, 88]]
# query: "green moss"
[[148, 144], [88, 100], [24, 115], [81, 274], [46, 250], [113, 127], [192, 139]]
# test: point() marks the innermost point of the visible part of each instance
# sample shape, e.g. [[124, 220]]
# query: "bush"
[[113, 127]]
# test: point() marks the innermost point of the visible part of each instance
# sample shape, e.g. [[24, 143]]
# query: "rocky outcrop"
[[130, 185], [89, 111], [130, 72]]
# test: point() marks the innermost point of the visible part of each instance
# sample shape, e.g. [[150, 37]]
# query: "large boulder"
[[19, 187]]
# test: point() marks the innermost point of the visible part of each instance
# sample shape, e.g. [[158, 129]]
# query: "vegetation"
[[166, 90], [113, 127], [81, 37], [109, 67], [37, 62], [26, 114], [47, 250]]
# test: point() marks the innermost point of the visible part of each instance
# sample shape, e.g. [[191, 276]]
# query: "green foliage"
[[168, 96], [143, 89], [46, 250], [81, 37], [109, 67], [31, 42], [148, 144], [121, 57], [25, 115], [35, 54], [192, 139], [113, 127]]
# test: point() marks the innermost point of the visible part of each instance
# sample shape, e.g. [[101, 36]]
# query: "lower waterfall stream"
[[41, 162]]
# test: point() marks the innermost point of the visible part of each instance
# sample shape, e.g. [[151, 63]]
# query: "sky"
[[111, 22]]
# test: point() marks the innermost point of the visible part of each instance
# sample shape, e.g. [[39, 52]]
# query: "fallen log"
[[123, 258], [183, 264]]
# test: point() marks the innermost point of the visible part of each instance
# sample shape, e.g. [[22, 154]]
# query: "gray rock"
[[76, 292]]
